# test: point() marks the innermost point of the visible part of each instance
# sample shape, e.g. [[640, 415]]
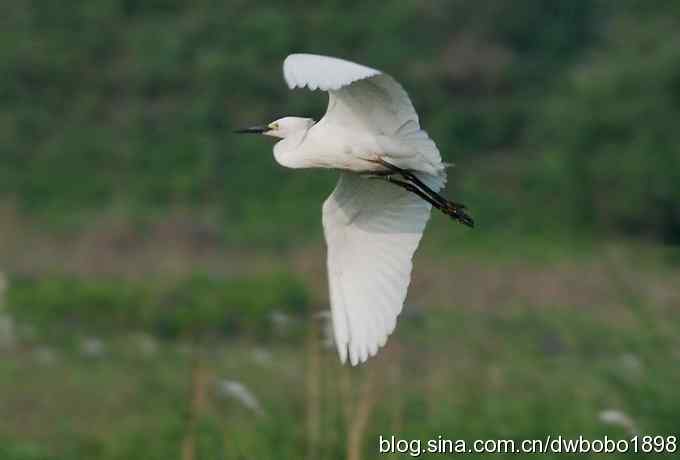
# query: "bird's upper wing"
[[357, 94], [366, 99], [323, 72], [372, 229]]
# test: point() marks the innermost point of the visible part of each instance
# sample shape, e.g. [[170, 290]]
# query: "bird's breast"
[[329, 147]]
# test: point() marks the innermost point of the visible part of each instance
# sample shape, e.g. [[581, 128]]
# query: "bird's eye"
[[274, 126]]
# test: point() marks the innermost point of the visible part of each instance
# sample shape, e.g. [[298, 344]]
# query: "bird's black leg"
[[409, 175], [456, 213], [406, 174], [413, 189], [415, 185]]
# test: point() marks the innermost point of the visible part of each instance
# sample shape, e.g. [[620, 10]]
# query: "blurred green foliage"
[[615, 157], [557, 113], [199, 305]]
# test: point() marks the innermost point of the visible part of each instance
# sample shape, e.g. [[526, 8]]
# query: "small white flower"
[[617, 417], [262, 356], [280, 320], [92, 347], [236, 390]]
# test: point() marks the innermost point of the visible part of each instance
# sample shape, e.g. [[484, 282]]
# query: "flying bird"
[[391, 174]]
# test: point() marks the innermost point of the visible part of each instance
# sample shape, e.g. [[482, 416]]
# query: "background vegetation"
[[153, 258]]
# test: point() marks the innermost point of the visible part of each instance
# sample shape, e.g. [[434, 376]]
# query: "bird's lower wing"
[[372, 229]]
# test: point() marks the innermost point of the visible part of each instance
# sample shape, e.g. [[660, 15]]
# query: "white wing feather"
[[372, 230], [323, 72], [366, 99]]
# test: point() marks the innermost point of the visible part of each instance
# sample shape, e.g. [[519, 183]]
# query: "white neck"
[[286, 151]]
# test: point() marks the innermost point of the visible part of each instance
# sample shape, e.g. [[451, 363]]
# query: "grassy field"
[[506, 347]]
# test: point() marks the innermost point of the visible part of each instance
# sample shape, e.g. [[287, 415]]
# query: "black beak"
[[252, 130]]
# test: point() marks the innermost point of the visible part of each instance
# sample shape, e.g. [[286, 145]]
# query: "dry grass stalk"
[[313, 386], [358, 423], [198, 401]]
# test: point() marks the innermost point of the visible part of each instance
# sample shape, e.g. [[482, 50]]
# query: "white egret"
[[391, 173]]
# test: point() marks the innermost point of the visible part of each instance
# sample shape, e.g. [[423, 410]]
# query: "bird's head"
[[281, 128]]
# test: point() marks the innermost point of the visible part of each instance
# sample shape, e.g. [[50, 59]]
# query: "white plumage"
[[372, 230], [372, 227], [323, 72]]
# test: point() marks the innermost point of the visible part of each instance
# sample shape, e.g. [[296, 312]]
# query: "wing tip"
[[353, 356], [293, 80], [342, 352], [360, 354]]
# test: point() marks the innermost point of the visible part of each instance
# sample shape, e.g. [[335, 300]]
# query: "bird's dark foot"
[[413, 184], [457, 212]]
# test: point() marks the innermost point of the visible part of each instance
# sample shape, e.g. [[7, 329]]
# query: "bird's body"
[[374, 219], [332, 145], [326, 145]]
